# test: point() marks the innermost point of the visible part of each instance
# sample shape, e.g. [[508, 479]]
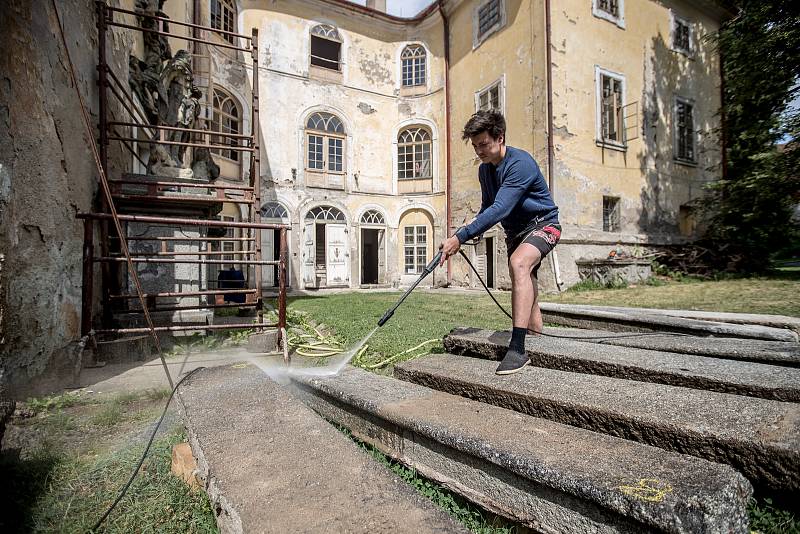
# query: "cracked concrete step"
[[698, 372], [634, 320], [548, 476], [775, 321], [270, 464], [755, 350], [759, 437]]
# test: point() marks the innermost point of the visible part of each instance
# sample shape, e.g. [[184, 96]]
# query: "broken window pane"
[[488, 16], [611, 109], [611, 214]]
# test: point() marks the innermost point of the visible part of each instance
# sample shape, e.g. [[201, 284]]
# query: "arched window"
[[325, 214], [226, 120], [273, 210], [223, 17], [372, 217], [414, 154], [325, 143], [326, 47], [413, 58]]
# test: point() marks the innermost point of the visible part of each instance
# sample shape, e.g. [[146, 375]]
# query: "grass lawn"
[[778, 294]]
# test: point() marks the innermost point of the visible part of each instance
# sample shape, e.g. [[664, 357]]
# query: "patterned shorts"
[[543, 236]]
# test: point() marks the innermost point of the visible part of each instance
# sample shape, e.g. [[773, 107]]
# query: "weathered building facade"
[[360, 126]]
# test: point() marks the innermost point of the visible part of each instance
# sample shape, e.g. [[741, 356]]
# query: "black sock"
[[518, 339]]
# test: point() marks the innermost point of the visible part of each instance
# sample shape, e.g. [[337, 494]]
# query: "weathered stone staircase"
[[592, 437]]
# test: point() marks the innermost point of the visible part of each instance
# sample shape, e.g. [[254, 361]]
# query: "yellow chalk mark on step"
[[648, 489], [239, 366]]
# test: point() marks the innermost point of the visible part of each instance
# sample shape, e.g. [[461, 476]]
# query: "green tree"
[[751, 208]]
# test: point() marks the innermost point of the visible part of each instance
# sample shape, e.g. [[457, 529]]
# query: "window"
[[326, 46], [414, 154], [372, 217], [325, 143], [681, 35], [226, 119], [610, 98], [273, 210], [488, 16], [415, 249], [684, 131], [413, 58], [611, 10], [325, 214], [489, 98], [611, 214], [223, 17]]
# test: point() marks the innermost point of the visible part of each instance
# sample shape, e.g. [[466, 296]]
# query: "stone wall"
[[46, 176]]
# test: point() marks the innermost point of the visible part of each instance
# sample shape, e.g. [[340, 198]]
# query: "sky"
[[402, 8]]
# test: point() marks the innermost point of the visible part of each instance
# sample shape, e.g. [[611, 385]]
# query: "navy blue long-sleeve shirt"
[[513, 193]]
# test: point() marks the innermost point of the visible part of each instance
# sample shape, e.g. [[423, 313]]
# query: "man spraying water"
[[515, 194]]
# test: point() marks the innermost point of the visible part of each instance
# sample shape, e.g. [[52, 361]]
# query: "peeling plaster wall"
[[650, 184], [368, 98], [46, 176]]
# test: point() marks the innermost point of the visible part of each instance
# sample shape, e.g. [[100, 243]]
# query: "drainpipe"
[[550, 154], [449, 216]]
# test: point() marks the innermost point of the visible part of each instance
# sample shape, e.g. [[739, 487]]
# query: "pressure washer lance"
[[425, 272]]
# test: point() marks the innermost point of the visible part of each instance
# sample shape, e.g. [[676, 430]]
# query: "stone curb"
[[697, 372], [632, 320], [759, 437], [270, 464], [755, 350], [545, 475]]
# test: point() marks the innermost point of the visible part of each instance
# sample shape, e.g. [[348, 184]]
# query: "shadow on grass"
[[24, 481]]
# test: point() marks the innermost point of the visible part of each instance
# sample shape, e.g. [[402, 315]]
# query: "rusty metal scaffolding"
[[149, 206]]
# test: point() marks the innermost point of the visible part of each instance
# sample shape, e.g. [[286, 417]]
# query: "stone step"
[[754, 350], [634, 320], [759, 437], [698, 372], [270, 464], [548, 476]]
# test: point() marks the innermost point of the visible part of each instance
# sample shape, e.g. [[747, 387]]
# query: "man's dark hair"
[[490, 121]]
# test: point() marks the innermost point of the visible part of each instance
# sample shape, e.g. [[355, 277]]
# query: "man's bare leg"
[[523, 298], [535, 323]]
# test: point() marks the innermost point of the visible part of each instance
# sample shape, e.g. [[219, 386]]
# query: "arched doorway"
[[373, 248], [326, 250], [273, 213]]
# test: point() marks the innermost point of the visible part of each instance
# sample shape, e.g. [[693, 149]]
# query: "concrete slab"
[[769, 352], [774, 321], [759, 437], [698, 372], [633, 320], [548, 476], [270, 464]]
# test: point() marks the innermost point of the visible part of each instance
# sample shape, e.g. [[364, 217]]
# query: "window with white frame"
[[684, 131], [223, 17], [490, 98], [325, 138], [226, 119], [611, 10], [488, 17], [326, 47], [372, 217], [681, 35], [610, 99], [414, 154], [414, 61], [611, 218], [415, 249]]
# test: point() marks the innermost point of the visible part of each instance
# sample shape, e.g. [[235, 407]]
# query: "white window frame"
[[478, 38], [617, 219], [500, 83], [417, 268], [329, 32], [605, 15], [225, 7], [599, 72], [219, 126], [413, 60], [675, 19], [683, 161], [413, 145], [326, 136]]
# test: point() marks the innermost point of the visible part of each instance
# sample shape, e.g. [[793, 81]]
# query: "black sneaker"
[[512, 362]]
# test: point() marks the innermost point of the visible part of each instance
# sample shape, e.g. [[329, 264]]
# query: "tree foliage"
[[750, 220]]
